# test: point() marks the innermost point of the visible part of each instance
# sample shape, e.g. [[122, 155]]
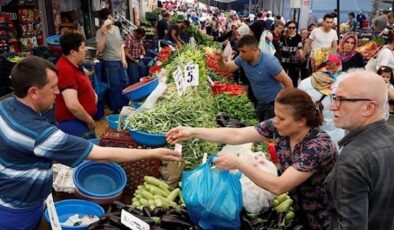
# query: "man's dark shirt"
[[162, 26], [360, 187]]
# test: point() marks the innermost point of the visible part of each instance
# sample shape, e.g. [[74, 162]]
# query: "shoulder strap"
[[322, 97]]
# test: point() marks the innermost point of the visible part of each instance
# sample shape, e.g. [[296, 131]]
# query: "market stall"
[[189, 90]]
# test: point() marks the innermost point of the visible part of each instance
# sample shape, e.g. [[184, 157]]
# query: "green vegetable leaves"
[[238, 107]]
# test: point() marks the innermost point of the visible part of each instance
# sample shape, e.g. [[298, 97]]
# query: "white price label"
[[191, 74], [53, 217], [179, 81], [132, 222], [178, 148]]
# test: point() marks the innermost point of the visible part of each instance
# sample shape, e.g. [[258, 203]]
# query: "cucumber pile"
[[155, 193], [283, 204]]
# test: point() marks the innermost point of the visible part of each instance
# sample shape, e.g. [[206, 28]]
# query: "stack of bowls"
[[67, 208], [99, 182], [53, 43]]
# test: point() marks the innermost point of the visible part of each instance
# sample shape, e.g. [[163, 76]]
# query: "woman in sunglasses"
[[290, 51]]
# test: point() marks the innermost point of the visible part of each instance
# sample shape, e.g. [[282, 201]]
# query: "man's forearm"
[[307, 46], [113, 154], [123, 55]]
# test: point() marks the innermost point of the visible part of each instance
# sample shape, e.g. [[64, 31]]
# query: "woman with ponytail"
[[306, 154]]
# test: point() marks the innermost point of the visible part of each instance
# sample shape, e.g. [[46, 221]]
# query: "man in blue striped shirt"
[[29, 145]]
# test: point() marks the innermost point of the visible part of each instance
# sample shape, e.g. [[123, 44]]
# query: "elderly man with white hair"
[[360, 187]]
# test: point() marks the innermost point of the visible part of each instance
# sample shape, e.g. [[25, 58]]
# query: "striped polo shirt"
[[28, 146]]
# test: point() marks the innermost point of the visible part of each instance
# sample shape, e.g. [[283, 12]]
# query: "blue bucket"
[[53, 40], [67, 208], [148, 139], [99, 180], [113, 121]]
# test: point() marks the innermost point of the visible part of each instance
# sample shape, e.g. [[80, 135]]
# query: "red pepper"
[[272, 152], [233, 89]]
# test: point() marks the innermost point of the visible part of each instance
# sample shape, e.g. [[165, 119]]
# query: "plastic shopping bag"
[[255, 199], [228, 51], [156, 94], [213, 197], [265, 43]]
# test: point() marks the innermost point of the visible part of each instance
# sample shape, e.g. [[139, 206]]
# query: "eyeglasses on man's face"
[[337, 100]]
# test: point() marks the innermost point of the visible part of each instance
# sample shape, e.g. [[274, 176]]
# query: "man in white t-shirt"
[[323, 36]]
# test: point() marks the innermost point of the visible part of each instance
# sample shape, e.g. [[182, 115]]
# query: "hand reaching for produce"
[[227, 161], [166, 154], [219, 56], [179, 133]]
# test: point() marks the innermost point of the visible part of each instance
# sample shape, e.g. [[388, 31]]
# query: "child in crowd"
[[388, 76]]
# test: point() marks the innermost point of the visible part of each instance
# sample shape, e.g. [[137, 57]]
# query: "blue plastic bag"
[[213, 197]]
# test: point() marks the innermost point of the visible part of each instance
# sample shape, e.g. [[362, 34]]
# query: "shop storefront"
[[20, 26], [26, 24]]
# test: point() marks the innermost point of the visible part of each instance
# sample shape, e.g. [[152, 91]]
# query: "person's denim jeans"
[[117, 80], [135, 71], [265, 111]]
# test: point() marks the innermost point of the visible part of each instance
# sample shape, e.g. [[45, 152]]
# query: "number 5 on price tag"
[[191, 74], [179, 81]]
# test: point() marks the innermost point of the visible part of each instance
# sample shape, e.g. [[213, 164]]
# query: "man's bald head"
[[360, 99], [367, 84]]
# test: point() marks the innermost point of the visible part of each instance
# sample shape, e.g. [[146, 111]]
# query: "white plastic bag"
[[228, 51], [62, 178], [151, 100], [255, 198], [372, 64], [265, 43]]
